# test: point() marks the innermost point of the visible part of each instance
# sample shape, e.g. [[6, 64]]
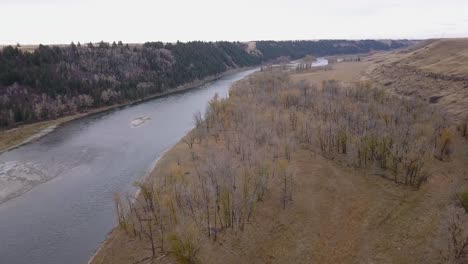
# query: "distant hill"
[[435, 71], [46, 82]]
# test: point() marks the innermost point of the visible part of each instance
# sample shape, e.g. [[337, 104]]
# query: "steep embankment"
[[435, 71]]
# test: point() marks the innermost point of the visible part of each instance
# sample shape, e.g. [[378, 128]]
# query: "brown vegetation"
[[287, 171], [434, 71], [457, 242], [18, 136]]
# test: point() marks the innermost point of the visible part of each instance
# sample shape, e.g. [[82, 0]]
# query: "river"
[[76, 169]]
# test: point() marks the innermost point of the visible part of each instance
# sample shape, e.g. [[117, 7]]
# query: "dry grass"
[[345, 72], [434, 71], [30, 132], [23, 134], [447, 57]]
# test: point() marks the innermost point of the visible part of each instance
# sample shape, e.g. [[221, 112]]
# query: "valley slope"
[[434, 71]]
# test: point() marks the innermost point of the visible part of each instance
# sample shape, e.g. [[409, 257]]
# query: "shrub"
[[457, 238], [183, 246], [463, 128], [463, 198], [445, 140]]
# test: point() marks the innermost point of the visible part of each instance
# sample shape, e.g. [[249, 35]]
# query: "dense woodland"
[[54, 81]]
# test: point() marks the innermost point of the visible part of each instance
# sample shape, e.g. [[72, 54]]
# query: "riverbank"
[[120, 248], [86, 162], [24, 134], [338, 214]]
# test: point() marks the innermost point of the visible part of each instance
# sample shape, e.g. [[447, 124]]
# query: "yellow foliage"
[[366, 84], [289, 97], [283, 165], [184, 244], [168, 202], [446, 136], [424, 130], [178, 174]]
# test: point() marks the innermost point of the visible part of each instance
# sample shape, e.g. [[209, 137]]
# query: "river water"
[[80, 166]]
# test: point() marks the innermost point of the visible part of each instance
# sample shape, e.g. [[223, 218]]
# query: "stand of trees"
[[55, 81], [243, 152], [298, 49]]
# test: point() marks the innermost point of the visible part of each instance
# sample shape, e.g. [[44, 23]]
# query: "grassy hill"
[[435, 71]]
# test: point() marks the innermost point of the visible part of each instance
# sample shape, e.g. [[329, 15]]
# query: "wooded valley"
[[54, 81]]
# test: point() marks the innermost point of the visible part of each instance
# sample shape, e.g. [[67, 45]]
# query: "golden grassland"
[[434, 71]]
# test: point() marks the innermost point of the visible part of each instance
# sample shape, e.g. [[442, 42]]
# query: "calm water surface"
[[64, 220]]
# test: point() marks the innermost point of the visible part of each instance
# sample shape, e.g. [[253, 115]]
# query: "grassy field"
[[338, 214], [23, 134]]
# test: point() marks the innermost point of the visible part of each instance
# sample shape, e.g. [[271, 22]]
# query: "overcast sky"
[[63, 21]]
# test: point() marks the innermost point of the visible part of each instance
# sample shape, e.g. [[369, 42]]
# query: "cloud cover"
[[54, 21]]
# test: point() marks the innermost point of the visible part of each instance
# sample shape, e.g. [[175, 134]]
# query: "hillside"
[[53, 81], [435, 71]]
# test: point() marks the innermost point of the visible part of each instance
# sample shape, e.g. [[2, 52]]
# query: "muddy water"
[[72, 173]]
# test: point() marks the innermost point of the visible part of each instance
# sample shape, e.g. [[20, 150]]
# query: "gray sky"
[[63, 21]]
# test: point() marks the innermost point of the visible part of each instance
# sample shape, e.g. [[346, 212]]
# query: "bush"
[[463, 198], [184, 248], [445, 141], [463, 128]]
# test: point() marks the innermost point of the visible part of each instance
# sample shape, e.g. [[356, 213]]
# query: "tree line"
[[54, 81]]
